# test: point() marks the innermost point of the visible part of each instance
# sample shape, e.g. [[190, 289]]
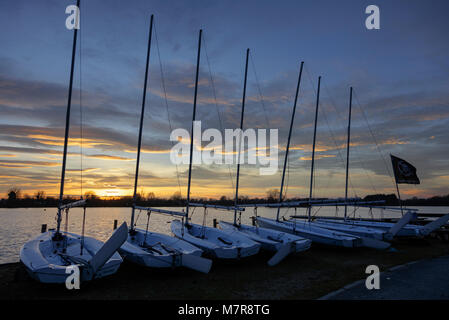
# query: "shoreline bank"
[[309, 275]]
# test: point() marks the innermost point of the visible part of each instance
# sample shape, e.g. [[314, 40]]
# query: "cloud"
[[317, 157], [108, 157], [26, 164]]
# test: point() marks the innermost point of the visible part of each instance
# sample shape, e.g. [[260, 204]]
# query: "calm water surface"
[[19, 225]]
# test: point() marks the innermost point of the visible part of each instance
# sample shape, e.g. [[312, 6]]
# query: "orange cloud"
[[19, 164], [108, 157], [58, 141], [318, 157]]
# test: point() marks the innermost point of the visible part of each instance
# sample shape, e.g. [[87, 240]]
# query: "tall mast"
[[240, 140], [347, 150], [289, 137], [142, 113], [67, 121], [313, 147], [193, 120]]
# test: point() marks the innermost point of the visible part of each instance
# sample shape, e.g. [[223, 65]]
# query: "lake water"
[[19, 225]]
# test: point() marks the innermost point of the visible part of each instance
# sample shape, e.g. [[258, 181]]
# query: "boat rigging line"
[[164, 89], [236, 200], [331, 131], [354, 154], [374, 137], [216, 104], [57, 235], [139, 143], [289, 137]]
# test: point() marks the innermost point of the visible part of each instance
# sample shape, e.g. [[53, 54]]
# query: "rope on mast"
[[240, 137], [193, 120], [259, 90], [81, 113], [142, 114], [216, 104], [374, 137], [331, 133], [166, 103], [354, 153], [67, 129]]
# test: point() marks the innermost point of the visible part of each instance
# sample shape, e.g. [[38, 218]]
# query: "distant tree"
[[90, 195], [14, 193], [176, 196], [223, 198], [140, 195], [273, 194], [151, 196], [390, 199], [39, 195]]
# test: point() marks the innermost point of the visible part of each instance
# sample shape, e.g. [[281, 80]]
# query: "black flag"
[[404, 172]]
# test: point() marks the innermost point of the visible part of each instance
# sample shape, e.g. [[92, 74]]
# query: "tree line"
[[15, 198]]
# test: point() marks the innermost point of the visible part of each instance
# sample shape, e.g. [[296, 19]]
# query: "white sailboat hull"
[[312, 232], [408, 230], [44, 260], [158, 250], [215, 242], [269, 239], [361, 231]]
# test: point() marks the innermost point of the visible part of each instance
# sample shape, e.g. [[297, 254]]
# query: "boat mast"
[[142, 113], [240, 140], [193, 121], [67, 122], [288, 140], [347, 151], [313, 147]]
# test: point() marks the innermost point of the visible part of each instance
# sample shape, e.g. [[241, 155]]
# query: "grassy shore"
[[309, 275]]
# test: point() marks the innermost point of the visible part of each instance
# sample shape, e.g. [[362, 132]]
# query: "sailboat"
[[215, 242], [307, 228], [271, 240], [377, 229], [153, 249], [406, 230], [48, 256]]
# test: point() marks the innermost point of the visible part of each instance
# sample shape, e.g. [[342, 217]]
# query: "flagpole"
[[399, 196], [404, 172], [397, 187]]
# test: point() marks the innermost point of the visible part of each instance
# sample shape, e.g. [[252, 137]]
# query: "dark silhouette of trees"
[[39, 195], [40, 199], [13, 193], [273, 195]]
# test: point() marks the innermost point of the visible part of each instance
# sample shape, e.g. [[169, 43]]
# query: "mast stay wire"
[[216, 103], [330, 131], [374, 137], [81, 136], [80, 106], [166, 103], [262, 100], [355, 154]]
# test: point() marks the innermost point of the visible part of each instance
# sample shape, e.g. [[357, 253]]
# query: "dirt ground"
[[308, 275]]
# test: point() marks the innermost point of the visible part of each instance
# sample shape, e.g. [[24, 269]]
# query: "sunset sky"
[[400, 76]]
